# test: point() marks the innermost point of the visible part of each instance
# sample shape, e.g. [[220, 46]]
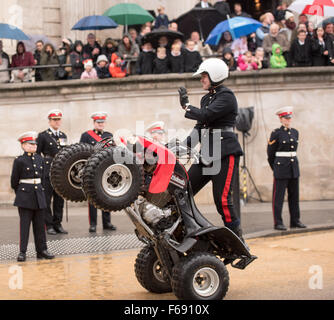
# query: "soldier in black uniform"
[[49, 143], [92, 137], [282, 158], [27, 179], [214, 129]]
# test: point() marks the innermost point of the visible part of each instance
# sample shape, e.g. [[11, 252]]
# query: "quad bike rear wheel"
[[200, 276], [111, 184], [66, 171], [150, 273]]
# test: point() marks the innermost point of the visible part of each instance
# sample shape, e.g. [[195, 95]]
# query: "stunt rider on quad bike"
[[214, 129], [184, 253]]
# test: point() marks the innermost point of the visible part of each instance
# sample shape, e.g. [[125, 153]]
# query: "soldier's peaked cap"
[[55, 114], [285, 112], [156, 127], [29, 136], [99, 116]]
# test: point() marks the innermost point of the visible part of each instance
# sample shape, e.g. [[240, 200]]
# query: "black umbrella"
[[202, 20], [154, 36]]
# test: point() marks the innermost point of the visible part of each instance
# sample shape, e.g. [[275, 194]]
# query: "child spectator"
[[260, 59], [176, 59], [77, 59], [246, 62], [301, 51], [162, 19], [90, 72], [163, 42], [117, 67], [228, 58], [102, 67], [161, 62], [181, 44], [192, 58], [144, 63], [277, 60]]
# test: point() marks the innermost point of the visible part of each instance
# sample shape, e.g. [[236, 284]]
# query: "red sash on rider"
[[94, 135]]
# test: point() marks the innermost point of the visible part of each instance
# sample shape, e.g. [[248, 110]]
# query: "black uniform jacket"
[[49, 145], [29, 196], [219, 109], [87, 138], [283, 140]]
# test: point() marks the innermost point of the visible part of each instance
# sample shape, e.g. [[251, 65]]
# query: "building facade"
[[55, 18]]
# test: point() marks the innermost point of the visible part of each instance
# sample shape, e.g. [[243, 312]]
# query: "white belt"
[[31, 181], [286, 154]]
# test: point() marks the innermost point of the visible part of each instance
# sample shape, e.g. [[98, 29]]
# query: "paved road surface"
[[283, 270]]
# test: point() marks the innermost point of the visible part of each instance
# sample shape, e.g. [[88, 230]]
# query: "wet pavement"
[[255, 217], [296, 266]]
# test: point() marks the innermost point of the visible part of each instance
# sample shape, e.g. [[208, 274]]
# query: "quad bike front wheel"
[[67, 169], [111, 183], [150, 273], [200, 276]]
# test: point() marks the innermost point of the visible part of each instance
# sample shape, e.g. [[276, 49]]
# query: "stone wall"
[[24, 107]]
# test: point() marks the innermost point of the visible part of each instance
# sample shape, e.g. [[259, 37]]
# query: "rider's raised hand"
[[184, 100]]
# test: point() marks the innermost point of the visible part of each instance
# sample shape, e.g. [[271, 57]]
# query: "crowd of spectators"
[[279, 43]]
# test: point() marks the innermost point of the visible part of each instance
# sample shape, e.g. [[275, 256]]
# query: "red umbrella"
[[322, 8]]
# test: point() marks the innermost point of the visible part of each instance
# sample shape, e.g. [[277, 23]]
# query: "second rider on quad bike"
[[220, 149]]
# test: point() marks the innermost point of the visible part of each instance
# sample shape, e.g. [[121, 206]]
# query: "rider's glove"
[[184, 100]]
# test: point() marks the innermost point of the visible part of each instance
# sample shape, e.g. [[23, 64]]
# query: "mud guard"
[[222, 236], [225, 238]]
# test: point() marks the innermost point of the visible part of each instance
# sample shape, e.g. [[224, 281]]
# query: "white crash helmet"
[[216, 69]]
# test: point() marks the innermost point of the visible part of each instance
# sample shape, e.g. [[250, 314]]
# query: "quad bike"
[[184, 253]]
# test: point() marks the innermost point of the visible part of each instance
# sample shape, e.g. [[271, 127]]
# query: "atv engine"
[[156, 217]]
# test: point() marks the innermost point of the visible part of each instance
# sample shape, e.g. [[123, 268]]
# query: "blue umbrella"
[[237, 26], [95, 23], [8, 31]]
